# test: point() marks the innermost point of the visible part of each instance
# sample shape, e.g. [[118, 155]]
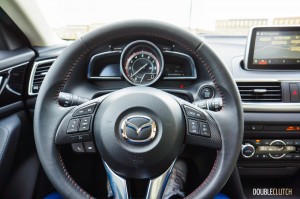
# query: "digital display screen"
[[274, 48]]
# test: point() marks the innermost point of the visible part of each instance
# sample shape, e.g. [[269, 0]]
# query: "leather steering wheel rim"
[[63, 72]]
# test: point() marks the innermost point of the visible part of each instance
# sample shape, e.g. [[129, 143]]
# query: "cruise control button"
[[85, 124], [190, 112], [89, 147], [204, 129], [73, 126], [85, 110], [193, 127], [80, 138], [78, 147]]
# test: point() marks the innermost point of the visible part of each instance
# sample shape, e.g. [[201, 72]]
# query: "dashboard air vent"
[[260, 92], [39, 71]]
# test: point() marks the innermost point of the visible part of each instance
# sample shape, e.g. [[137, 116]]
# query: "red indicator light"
[[181, 86], [295, 92], [262, 62]]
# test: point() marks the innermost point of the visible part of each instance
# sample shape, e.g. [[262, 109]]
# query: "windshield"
[[72, 18]]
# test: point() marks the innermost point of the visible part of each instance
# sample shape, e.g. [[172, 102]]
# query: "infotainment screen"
[[273, 48]]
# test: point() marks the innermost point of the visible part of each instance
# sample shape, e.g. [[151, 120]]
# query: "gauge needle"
[[139, 70]]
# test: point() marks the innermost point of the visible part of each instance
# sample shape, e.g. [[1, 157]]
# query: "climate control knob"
[[248, 150]]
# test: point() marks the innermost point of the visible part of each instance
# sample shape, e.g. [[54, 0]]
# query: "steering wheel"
[[117, 118]]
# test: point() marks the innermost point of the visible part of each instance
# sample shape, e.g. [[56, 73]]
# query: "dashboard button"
[[85, 123], [85, 110], [204, 129], [266, 142], [257, 156], [73, 126], [78, 147], [257, 127], [190, 112], [294, 92], [288, 156], [194, 127], [206, 93], [296, 156], [297, 142], [248, 150], [265, 156], [80, 138], [89, 147], [289, 142]]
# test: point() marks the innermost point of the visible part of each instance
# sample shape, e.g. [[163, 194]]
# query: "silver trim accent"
[[192, 64], [247, 145], [271, 107], [15, 66], [137, 129], [267, 80], [35, 65], [118, 185], [248, 44], [160, 57], [12, 90], [5, 81], [272, 145], [90, 67], [157, 185]]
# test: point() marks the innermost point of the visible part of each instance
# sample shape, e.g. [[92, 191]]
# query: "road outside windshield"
[[72, 18]]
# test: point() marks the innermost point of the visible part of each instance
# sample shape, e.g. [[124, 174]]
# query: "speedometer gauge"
[[141, 63]]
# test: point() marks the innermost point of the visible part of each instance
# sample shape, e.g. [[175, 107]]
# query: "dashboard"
[[141, 63], [264, 66]]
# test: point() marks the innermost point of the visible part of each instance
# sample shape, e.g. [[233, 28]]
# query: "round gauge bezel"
[[133, 48]]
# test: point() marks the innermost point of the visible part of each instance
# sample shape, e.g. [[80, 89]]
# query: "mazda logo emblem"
[[138, 129]]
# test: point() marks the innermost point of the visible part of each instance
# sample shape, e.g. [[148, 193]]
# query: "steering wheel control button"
[[90, 147], [204, 129], [80, 138], [78, 147], [73, 126], [85, 110], [206, 93], [194, 127], [248, 150], [190, 112], [216, 104], [201, 104], [85, 124]]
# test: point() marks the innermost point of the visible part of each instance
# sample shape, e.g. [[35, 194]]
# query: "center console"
[[271, 148]]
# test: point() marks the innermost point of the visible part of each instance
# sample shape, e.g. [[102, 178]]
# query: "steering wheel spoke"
[[120, 189], [201, 128], [76, 127]]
